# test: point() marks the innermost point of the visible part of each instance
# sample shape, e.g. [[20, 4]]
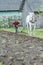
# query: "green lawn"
[[8, 29], [36, 33], [1, 63]]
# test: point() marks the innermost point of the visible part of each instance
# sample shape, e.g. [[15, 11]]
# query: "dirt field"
[[19, 49]]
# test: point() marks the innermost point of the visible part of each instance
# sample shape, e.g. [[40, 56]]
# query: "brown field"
[[19, 49]]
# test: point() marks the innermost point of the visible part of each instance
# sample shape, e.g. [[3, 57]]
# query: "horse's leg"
[[27, 27], [34, 26], [30, 29]]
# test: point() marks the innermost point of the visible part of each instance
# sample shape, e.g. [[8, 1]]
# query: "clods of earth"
[[19, 49]]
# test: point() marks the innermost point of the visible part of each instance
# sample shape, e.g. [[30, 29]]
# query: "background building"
[[23, 6]]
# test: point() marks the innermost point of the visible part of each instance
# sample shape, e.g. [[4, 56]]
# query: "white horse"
[[30, 21]]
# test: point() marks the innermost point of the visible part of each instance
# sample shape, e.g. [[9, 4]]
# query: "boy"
[[16, 24]]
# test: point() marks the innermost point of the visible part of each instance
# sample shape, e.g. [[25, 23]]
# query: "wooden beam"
[[22, 5], [10, 11]]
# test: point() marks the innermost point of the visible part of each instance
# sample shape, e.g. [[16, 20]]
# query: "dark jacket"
[[15, 24]]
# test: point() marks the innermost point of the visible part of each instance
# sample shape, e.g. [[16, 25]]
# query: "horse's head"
[[31, 14]]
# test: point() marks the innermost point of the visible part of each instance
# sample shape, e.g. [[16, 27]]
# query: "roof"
[[35, 4], [9, 5]]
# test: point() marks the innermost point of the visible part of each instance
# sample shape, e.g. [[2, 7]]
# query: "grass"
[[1, 63], [36, 33], [8, 29]]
